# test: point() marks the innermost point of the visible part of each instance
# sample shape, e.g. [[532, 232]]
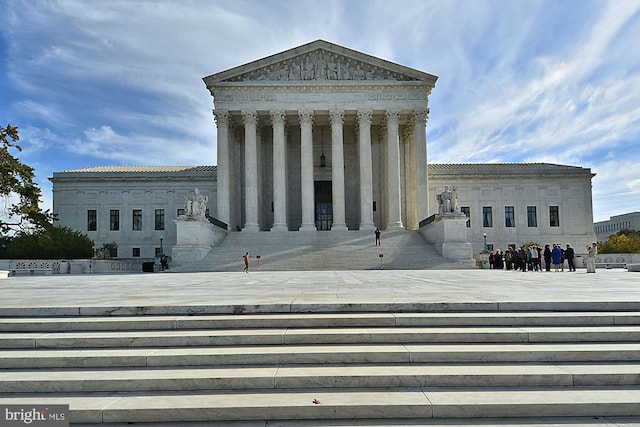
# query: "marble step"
[[273, 336], [408, 403], [319, 354], [314, 320], [270, 377], [439, 305], [402, 249]]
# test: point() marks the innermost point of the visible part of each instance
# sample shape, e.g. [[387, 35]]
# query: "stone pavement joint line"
[[348, 348]]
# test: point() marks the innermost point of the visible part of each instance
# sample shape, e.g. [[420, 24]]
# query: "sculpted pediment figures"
[[320, 61], [320, 65]]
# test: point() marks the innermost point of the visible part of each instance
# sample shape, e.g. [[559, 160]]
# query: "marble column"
[[223, 169], [420, 142], [366, 173], [279, 173], [410, 177], [250, 119], [236, 174], [306, 171], [337, 171], [394, 219]]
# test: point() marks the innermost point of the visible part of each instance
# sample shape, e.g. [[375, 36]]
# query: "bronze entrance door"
[[324, 207]]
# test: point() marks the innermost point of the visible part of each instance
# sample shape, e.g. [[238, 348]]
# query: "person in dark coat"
[[547, 258], [569, 255]]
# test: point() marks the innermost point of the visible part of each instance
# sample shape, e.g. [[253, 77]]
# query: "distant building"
[[604, 229]]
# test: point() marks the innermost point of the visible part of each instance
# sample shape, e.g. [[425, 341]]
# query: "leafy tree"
[[50, 243], [623, 242], [16, 180], [107, 251], [629, 232]]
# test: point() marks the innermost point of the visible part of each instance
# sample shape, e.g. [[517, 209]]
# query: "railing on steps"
[[217, 222], [427, 221]]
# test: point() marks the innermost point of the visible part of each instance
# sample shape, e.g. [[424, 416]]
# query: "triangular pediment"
[[319, 61]]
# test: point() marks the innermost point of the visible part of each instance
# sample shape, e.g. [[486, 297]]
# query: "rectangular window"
[[92, 220], [136, 253], [180, 212], [509, 216], [554, 216], [159, 219], [114, 220], [487, 216], [467, 211], [137, 219], [532, 216]]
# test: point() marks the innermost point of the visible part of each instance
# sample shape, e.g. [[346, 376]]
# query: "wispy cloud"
[[119, 82]]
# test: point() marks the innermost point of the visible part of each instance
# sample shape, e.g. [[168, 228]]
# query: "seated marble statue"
[[448, 201], [196, 204]]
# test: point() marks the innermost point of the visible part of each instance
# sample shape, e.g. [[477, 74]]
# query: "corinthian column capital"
[[277, 117], [393, 118], [365, 117], [421, 116], [221, 117], [337, 116], [250, 117], [306, 117]]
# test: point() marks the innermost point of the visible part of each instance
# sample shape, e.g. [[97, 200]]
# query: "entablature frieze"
[[270, 99]]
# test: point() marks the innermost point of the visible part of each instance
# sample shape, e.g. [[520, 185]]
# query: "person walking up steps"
[[245, 258], [377, 237]]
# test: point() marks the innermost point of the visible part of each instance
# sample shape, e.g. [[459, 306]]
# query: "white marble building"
[[519, 203], [133, 206], [604, 229], [321, 125], [324, 138]]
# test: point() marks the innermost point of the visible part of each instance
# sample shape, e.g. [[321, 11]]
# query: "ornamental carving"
[[321, 65]]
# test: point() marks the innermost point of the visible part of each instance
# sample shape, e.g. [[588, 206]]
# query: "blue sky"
[[114, 82]]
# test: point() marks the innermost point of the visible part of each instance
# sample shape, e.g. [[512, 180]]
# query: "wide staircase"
[[298, 251], [580, 365]]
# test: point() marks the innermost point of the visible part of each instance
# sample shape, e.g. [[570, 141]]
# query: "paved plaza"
[[464, 347], [312, 290]]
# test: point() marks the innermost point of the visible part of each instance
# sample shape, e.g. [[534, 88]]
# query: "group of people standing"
[[530, 258]]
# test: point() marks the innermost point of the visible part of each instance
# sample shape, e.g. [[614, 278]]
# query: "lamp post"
[[485, 243], [162, 249]]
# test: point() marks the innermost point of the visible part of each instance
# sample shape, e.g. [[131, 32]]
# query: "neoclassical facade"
[[321, 137], [132, 206]]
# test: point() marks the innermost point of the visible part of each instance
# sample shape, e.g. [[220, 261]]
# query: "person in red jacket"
[[245, 258]]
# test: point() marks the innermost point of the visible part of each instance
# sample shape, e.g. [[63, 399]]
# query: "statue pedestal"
[[195, 238], [448, 234]]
